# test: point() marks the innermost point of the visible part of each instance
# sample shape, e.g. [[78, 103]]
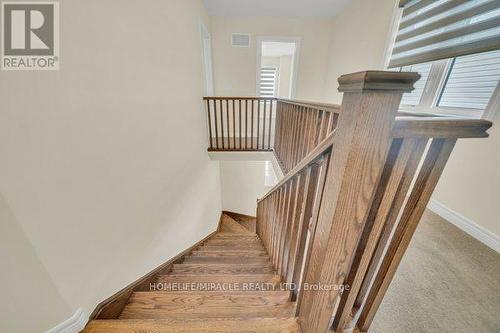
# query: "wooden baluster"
[[277, 224], [258, 123], [277, 126], [283, 220], [305, 132], [251, 126], [301, 136], [298, 134], [319, 120], [398, 158], [234, 125], [288, 224], [209, 125], [291, 239], [270, 123], [317, 184], [291, 137], [295, 137], [246, 124], [369, 107], [427, 179], [216, 125], [221, 123], [227, 125], [264, 124], [399, 199], [239, 120]]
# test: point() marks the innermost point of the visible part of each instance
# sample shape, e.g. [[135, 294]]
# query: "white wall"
[[358, 42], [235, 68], [469, 185], [30, 300], [104, 173], [243, 182]]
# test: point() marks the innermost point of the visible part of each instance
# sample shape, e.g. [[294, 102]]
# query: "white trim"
[[206, 58], [484, 236], [391, 35], [493, 105], [74, 324], [296, 57]]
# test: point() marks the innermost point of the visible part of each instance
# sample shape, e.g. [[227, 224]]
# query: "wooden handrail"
[[323, 148], [331, 219], [357, 180]]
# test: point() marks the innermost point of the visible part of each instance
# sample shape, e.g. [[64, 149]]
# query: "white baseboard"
[[484, 236], [74, 324]]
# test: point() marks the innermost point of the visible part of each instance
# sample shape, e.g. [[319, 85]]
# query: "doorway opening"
[[277, 60]]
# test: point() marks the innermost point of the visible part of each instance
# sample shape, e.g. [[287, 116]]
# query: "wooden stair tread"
[[205, 299], [233, 242], [229, 250], [226, 260], [236, 247], [246, 254], [234, 235], [139, 311], [227, 284], [219, 278], [223, 268], [260, 325]]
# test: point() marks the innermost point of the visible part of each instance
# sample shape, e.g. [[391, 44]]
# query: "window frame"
[[436, 81]]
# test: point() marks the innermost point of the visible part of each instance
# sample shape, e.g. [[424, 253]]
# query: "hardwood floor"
[[226, 285]]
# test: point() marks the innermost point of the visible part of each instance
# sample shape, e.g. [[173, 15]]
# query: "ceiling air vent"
[[240, 40]]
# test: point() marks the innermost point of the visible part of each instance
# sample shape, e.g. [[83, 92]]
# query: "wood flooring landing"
[[226, 285]]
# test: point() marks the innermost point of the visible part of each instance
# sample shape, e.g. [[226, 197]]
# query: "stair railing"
[[289, 128], [240, 123], [340, 221]]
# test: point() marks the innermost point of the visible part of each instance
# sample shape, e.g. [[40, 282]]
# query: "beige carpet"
[[447, 282]]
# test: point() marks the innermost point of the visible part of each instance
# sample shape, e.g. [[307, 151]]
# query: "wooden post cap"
[[378, 80]]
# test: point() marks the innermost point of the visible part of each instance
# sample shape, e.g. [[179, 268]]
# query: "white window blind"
[[268, 78], [413, 98], [439, 29], [471, 81]]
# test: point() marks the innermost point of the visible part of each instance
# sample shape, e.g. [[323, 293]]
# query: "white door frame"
[[206, 56], [295, 69]]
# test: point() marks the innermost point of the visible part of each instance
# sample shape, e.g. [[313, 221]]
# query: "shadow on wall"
[[25, 285]]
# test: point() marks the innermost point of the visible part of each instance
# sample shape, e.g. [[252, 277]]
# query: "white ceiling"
[[287, 8]]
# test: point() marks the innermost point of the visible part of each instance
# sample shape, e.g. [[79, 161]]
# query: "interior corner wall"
[[242, 182], [104, 173], [235, 68], [469, 185]]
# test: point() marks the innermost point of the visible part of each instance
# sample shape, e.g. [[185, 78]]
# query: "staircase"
[[230, 286]]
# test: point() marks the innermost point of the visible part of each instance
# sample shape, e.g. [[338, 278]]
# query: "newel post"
[[362, 140]]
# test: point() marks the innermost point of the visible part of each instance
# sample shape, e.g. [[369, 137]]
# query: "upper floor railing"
[[241, 123], [289, 128], [339, 222]]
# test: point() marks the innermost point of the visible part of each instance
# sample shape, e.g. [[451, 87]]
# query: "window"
[[268, 78], [453, 45], [471, 81], [459, 86], [414, 97]]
